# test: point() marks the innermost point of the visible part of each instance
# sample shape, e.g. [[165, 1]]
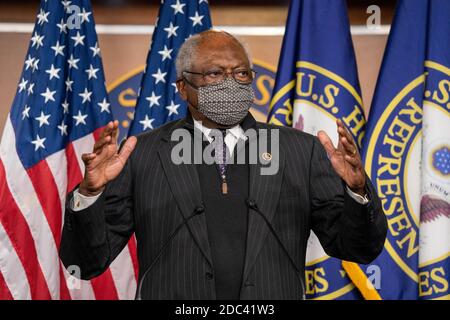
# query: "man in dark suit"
[[221, 230]]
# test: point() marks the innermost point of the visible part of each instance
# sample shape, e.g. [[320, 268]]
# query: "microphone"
[[253, 205], [197, 211]]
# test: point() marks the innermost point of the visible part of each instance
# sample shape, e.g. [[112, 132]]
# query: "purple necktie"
[[220, 157]]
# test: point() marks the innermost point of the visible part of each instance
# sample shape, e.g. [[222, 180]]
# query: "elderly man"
[[221, 230]]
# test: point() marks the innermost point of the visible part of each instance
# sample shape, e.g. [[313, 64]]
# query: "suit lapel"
[[185, 186], [265, 191]]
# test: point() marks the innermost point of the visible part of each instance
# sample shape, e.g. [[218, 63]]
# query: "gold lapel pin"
[[266, 156]]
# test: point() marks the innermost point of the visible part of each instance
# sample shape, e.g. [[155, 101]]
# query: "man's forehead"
[[212, 48], [220, 59], [215, 34], [220, 48], [219, 42]]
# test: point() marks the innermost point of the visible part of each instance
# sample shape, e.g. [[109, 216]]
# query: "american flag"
[[60, 106], [158, 100]]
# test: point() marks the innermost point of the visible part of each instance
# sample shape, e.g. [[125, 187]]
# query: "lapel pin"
[[266, 156]]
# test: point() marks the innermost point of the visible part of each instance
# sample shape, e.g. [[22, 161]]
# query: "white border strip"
[[111, 29]]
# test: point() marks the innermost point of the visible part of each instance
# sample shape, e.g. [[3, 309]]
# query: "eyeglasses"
[[240, 75]]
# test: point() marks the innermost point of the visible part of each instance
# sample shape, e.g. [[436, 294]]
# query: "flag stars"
[[29, 62], [86, 95], [73, 62], [43, 119], [63, 128], [153, 99], [104, 106], [80, 118], [23, 85], [65, 106], [159, 76], [37, 40], [173, 108], [62, 26], [69, 84], [178, 7], [26, 112], [79, 39], [84, 16], [38, 143], [48, 95], [66, 4], [35, 65], [58, 49], [53, 72], [196, 19], [171, 30], [92, 72], [147, 123], [166, 53], [95, 50], [175, 86], [42, 17], [30, 88]]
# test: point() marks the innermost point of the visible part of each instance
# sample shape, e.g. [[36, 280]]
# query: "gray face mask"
[[225, 103]]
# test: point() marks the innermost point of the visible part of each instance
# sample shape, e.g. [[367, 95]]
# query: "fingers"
[[98, 146], [88, 158], [92, 160], [326, 142], [127, 149], [108, 136], [115, 132], [346, 139], [342, 130], [107, 130], [355, 162], [349, 147]]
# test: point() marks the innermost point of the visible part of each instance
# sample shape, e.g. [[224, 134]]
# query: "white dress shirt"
[[233, 135], [80, 202]]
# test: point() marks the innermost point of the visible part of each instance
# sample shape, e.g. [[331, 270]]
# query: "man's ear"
[[181, 86]]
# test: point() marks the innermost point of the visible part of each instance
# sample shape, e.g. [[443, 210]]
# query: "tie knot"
[[222, 131], [220, 148], [218, 134]]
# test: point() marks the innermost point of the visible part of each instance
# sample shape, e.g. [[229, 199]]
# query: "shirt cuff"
[[80, 202], [358, 198]]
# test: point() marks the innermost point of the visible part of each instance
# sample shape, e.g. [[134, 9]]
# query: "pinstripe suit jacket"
[[161, 202]]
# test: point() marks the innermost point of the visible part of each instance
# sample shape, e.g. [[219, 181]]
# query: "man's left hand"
[[345, 159]]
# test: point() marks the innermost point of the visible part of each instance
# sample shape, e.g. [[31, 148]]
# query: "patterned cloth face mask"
[[225, 103]]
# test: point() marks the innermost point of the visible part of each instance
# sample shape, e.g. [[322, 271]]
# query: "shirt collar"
[[236, 131]]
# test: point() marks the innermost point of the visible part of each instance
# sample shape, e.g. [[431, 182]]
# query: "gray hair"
[[186, 53]]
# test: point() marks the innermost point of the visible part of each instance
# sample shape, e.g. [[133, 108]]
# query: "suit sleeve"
[[93, 237], [346, 229]]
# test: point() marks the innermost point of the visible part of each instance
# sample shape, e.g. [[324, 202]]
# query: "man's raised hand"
[[345, 159], [105, 163]]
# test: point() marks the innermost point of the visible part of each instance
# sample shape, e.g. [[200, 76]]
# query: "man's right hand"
[[105, 163]]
